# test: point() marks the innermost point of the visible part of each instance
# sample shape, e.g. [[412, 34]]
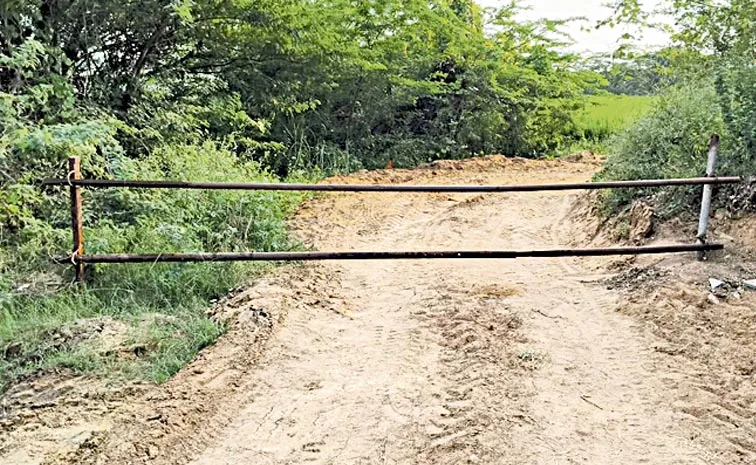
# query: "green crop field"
[[605, 115]]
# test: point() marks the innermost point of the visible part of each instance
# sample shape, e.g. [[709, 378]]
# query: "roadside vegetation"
[[136, 321], [281, 90], [708, 86]]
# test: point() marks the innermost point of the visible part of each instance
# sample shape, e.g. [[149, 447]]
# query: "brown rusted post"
[[74, 173]]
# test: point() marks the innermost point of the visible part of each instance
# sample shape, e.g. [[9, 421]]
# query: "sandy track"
[[460, 362], [432, 362]]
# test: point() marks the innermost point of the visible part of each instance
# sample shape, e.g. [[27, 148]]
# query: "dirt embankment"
[[530, 361]]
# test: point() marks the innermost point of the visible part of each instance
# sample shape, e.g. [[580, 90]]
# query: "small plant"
[[531, 359], [622, 230]]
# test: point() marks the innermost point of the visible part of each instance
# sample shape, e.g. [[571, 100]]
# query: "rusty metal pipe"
[[107, 183], [310, 256]]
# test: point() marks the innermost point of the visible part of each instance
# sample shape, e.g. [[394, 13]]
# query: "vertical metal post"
[[74, 172], [703, 220]]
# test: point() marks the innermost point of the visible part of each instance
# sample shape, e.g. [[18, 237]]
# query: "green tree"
[[705, 25], [715, 61]]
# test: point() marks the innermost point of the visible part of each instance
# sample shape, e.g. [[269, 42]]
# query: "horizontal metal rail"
[[311, 256], [107, 183]]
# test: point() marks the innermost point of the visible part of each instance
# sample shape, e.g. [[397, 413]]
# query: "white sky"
[[596, 41]]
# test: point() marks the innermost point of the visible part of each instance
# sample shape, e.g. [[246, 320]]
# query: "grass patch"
[[152, 337], [605, 115], [137, 321], [601, 118]]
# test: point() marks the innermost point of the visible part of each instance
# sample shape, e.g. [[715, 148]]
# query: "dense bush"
[[714, 68], [343, 84], [672, 140], [736, 94], [140, 221], [41, 125]]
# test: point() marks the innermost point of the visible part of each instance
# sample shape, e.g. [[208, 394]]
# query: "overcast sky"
[[597, 41]]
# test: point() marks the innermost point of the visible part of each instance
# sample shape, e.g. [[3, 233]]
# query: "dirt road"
[[460, 362], [435, 362]]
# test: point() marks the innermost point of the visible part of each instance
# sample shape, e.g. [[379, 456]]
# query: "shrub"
[[736, 91], [139, 221], [670, 142]]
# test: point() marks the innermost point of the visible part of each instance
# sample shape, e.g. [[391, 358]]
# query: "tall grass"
[[161, 304]]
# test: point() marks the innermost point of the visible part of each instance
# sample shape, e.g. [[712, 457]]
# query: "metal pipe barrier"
[[315, 256], [107, 183], [78, 258]]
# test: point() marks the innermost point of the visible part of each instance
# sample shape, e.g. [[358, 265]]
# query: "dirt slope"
[[433, 362]]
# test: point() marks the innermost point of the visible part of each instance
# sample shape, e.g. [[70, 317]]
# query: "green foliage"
[[346, 83], [736, 93], [672, 140], [715, 66], [146, 221], [415, 81], [726, 27], [674, 135], [42, 125], [631, 72]]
